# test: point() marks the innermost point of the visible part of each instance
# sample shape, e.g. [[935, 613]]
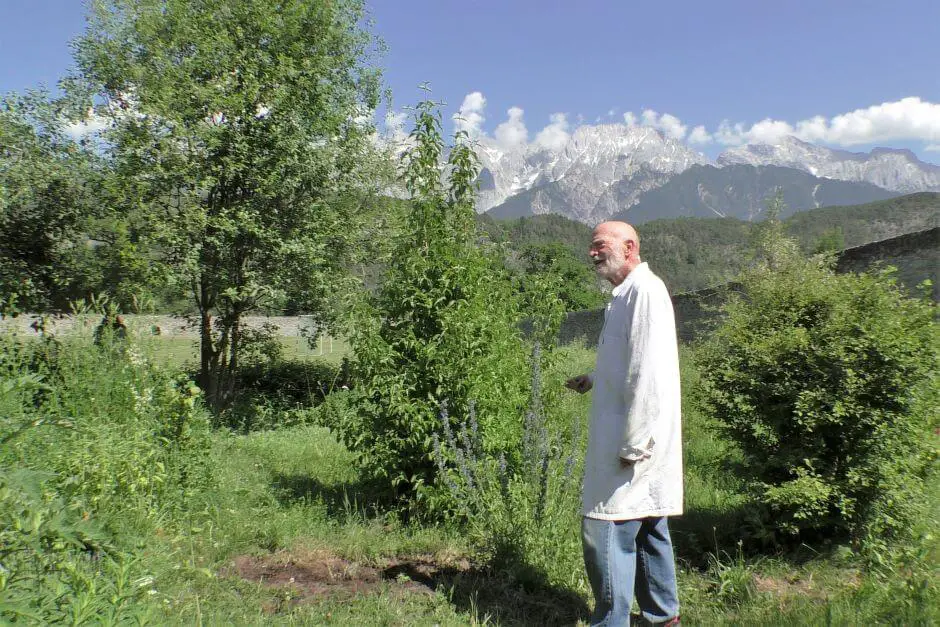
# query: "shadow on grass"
[[512, 595], [341, 500], [701, 532], [509, 593]]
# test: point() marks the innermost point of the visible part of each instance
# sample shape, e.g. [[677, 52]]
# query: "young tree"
[[442, 332], [241, 126]]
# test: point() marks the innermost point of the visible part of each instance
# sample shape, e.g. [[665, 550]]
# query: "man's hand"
[[580, 384]]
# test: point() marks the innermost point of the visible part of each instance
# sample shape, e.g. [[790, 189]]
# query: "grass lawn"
[[292, 536], [179, 351], [288, 532]]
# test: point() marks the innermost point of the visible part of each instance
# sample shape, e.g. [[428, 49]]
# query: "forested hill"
[[693, 253]]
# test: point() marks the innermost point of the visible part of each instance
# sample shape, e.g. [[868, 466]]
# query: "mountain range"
[[638, 173]]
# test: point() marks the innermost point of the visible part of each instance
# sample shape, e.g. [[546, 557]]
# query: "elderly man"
[[633, 466]]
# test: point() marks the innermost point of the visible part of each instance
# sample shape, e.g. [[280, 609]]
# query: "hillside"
[[693, 253]]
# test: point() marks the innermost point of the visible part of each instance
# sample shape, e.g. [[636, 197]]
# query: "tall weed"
[[95, 438]]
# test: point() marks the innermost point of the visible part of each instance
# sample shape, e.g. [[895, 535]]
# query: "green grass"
[[177, 352], [291, 502]]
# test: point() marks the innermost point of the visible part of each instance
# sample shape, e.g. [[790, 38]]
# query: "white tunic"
[[635, 412]]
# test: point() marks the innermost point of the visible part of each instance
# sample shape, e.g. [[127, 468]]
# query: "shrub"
[[442, 326], [282, 393], [821, 379], [517, 512]]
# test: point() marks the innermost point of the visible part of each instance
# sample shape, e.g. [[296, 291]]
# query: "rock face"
[[604, 170], [573, 181], [742, 191], [897, 170]]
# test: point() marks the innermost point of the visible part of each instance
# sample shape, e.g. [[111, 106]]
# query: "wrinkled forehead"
[[605, 234]]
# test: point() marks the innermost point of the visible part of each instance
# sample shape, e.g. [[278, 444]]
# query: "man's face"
[[609, 254]]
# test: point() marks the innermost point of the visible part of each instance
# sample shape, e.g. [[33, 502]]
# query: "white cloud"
[[699, 135], [470, 115], [932, 148], [90, 125], [512, 132], [908, 119], [629, 119], [555, 135], [667, 123], [612, 112]]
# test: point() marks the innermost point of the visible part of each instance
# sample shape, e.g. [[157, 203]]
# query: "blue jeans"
[[627, 557]]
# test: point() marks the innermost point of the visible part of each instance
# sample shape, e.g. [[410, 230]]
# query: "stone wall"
[[915, 255]]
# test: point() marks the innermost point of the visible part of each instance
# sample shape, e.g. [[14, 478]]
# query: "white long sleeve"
[[635, 410]]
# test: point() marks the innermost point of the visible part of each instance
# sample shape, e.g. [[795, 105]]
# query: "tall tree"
[[242, 126]]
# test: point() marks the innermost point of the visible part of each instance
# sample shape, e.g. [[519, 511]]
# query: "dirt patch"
[[320, 574]]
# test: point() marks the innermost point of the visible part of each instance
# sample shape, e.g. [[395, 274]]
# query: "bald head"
[[618, 230], [615, 250]]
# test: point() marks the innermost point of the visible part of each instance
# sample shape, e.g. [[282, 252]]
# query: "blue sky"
[[868, 68]]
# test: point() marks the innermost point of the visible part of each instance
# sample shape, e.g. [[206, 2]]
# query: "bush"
[[443, 327], [823, 380], [282, 393], [517, 514]]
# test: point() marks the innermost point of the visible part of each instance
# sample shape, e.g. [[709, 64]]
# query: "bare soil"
[[317, 575]]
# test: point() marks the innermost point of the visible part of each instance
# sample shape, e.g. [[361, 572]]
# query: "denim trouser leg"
[[623, 557]]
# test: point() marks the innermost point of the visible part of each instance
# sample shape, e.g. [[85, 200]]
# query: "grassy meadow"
[[276, 526]]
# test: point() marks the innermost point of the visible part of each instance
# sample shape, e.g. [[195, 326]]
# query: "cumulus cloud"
[[469, 117], [699, 135], [555, 135], [667, 123], [512, 132], [629, 118], [908, 119], [395, 126]]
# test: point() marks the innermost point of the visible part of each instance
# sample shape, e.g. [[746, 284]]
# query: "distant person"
[[633, 465]]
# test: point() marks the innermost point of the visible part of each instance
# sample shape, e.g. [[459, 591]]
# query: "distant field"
[[178, 351], [171, 340]]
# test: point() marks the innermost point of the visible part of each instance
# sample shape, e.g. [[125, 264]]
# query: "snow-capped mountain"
[[742, 191], [897, 170], [573, 180], [604, 170]]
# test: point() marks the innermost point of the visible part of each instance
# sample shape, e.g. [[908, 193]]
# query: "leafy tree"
[[831, 241], [442, 330], [555, 265], [240, 127], [824, 381], [47, 200]]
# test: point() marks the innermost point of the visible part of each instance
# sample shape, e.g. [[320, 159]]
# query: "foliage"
[[284, 392], [239, 126], [95, 436], [512, 508], [442, 328], [572, 279], [822, 380], [696, 253], [46, 204]]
